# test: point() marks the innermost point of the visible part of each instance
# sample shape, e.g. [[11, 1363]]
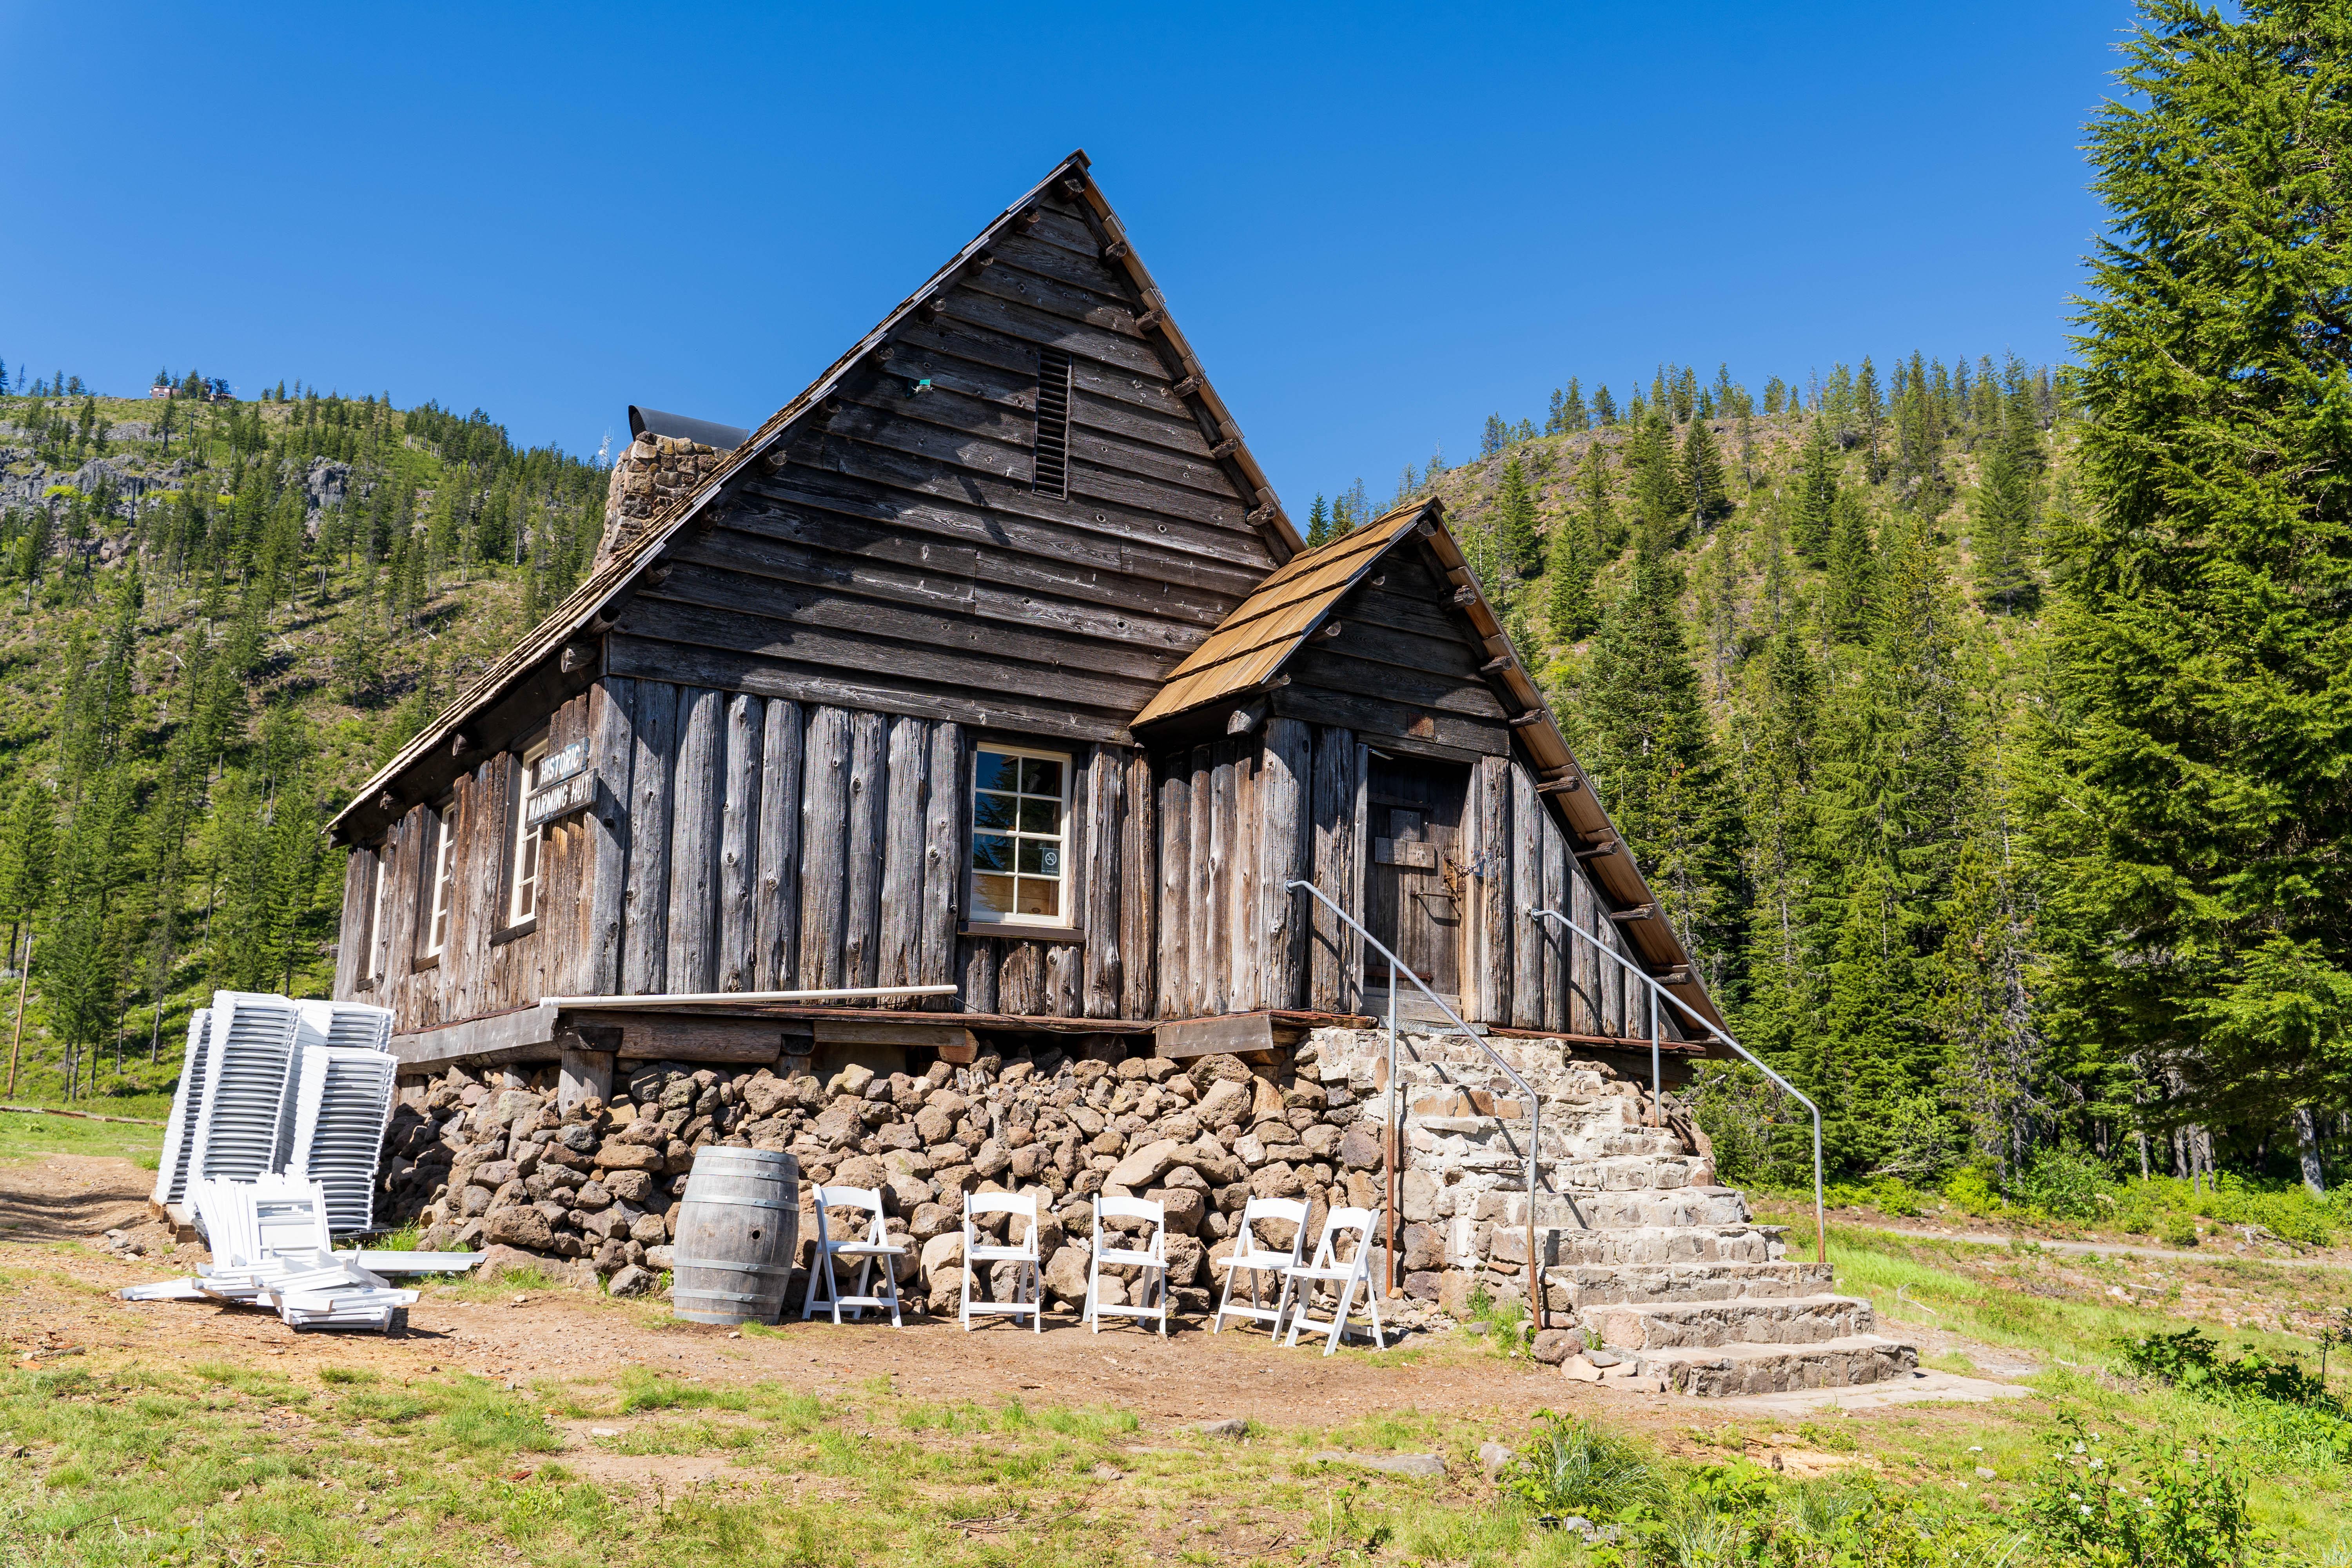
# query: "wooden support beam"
[[1466, 594], [1224, 448], [1186, 387], [1560, 786], [518, 1035], [1115, 251], [1598, 851], [1248, 1034], [1151, 321], [1638, 912], [1521, 721], [1497, 665]]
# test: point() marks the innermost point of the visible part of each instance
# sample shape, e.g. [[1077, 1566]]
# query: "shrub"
[[2064, 1183], [2162, 1507], [1970, 1190], [2179, 1230], [2191, 1360]]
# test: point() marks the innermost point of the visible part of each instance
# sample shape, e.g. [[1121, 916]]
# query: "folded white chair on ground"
[[1257, 1259], [875, 1245], [1346, 1277], [1025, 1296], [1150, 1291]]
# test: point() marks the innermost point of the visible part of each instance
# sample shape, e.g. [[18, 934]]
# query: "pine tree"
[[1655, 472], [1870, 411], [1816, 489], [2003, 537], [2200, 797], [1571, 610], [1703, 474], [1604, 408], [26, 856], [1853, 571], [1652, 755], [1318, 523], [1518, 548], [1574, 418]]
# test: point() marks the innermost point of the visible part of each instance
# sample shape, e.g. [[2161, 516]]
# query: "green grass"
[[30, 1137]]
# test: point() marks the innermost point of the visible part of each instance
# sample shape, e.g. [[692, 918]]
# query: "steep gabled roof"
[[1250, 647], [591, 607]]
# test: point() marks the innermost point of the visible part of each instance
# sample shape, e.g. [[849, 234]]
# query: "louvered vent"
[[1053, 455]]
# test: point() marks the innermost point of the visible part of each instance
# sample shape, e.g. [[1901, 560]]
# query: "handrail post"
[[1535, 1110], [1820, 1223]]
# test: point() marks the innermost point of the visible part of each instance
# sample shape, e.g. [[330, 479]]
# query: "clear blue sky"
[[1376, 223]]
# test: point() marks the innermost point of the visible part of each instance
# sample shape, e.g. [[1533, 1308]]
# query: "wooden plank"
[[1175, 822], [352, 932], [697, 801], [981, 966], [612, 704], [1245, 937], [890, 1032], [1202, 963], [861, 931], [645, 959], [738, 847], [738, 568], [1554, 939], [984, 360], [1330, 664], [1374, 717], [1525, 893], [1064, 968], [402, 903], [1051, 296], [899, 961], [825, 846], [1137, 890], [1331, 817], [1103, 797], [1098, 565], [1021, 978], [747, 1044], [1217, 948], [1489, 914], [1286, 851], [840, 687], [1351, 967], [496, 1038], [1584, 998], [943, 854], [860, 636], [776, 899], [1230, 1034], [1017, 319]]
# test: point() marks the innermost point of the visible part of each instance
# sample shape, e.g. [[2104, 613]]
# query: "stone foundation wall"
[[598, 1187], [652, 472]]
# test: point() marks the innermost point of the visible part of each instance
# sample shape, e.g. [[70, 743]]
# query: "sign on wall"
[[565, 783]]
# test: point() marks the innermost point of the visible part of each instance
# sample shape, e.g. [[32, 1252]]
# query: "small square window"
[[1020, 813]]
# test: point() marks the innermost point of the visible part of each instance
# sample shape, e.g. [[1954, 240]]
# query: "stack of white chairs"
[[187, 1104], [342, 1099], [242, 1122]]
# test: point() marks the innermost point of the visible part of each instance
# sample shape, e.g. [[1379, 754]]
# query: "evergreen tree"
[[1703, 474], [1652, 756], [1318, 523], [1518, 548], [26, 856], [1816, 489], [1604, 408], [2003, 537], [1853, 571], [1571, 610], [2200, 799], [1661, 492], [1870, 411]]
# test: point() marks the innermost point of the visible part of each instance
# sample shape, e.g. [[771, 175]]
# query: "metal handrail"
[[1535, 1110], [1820, 1230]]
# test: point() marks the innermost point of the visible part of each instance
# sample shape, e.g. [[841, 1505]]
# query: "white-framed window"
[[445, 878], [371, 959], [1020, 836], [522, 879]]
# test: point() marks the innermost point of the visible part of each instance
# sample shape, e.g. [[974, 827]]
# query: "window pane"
[[992, 895], [992, 810], [1040, 858], [1041, 775], [995, 770], [1039, 897], [1041, 815], [991, 852]]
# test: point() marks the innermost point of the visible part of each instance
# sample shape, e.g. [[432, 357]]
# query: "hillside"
[[216, 617]]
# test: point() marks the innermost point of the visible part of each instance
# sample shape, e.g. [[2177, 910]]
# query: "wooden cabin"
[[991, 668]]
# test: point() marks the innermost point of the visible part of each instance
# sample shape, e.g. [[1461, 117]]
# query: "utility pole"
[[22, 984]]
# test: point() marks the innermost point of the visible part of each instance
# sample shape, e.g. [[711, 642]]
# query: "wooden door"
[[1413, 884]]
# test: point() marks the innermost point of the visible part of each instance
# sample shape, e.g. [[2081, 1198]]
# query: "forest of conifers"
[[1985, 728]]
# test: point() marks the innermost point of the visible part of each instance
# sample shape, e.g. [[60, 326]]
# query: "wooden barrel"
[[737, 1233]]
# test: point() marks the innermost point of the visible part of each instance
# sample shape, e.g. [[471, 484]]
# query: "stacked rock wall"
[[479, 1164], [652, 472]]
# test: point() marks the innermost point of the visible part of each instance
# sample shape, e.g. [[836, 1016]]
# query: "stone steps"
[[1722, 1372], [1594, 1285], [1684, 1324], [1658, 1245]]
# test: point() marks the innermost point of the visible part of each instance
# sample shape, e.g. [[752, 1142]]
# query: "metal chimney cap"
[[725, 437]]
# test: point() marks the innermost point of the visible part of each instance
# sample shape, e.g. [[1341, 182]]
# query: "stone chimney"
[[655, 473]]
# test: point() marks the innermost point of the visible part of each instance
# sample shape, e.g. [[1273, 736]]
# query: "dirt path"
[[2112, 1248], [1192, 1376]]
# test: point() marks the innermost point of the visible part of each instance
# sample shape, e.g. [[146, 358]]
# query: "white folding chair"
[[875, 1246], [1020, 1206], [1251, 1257], [1346, 1277], [1151, 1286]]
